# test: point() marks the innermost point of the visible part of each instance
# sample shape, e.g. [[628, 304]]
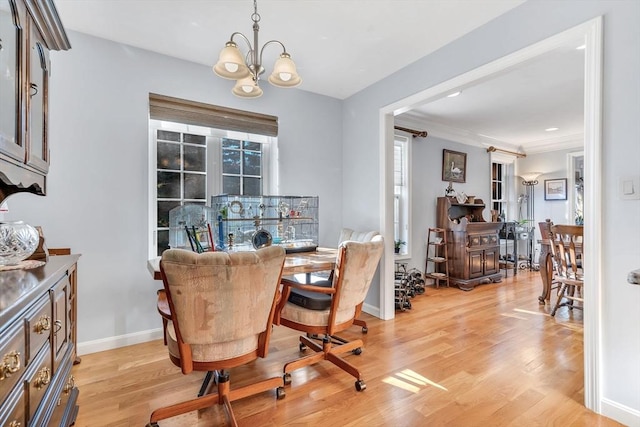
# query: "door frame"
[[592, 34]]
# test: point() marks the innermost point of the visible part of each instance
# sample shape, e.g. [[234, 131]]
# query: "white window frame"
[[214, 162]]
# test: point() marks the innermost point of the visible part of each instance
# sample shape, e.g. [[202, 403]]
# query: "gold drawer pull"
[[71, 383], [43, 378], [15, 423], [10, 364], [43, 324]]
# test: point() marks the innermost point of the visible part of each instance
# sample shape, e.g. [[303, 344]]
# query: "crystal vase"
[[18, 241]]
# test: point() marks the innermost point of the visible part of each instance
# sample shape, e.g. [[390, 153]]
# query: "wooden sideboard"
[[38, 344], [474, 247]]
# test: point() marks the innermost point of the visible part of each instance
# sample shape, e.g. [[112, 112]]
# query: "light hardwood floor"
[[489, 357]]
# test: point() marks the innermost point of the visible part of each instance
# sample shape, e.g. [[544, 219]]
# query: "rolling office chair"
[[324, 300], [221, 308], [356, 265]]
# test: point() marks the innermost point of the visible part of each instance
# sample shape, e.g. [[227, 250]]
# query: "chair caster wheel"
[[302, 347], [365, 329], [357, 351], [360, 385], [286, 379], [280, 393], [152, 425]]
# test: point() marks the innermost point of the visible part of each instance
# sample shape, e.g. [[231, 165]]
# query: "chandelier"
[[246, 71]]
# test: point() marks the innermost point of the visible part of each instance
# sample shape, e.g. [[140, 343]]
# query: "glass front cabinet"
[[29, 30]]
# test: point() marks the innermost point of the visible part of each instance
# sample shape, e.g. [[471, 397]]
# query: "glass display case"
[[248, 222], [190, 227]]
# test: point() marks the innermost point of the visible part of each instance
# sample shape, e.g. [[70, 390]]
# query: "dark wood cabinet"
[[474, 250], [29, 30], [37, 344]]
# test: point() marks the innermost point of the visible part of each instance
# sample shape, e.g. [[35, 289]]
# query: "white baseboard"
[[372, 310], [118, 341], [621, 413]]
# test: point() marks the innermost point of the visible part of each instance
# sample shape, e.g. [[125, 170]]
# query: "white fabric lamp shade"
[[284, 72], [230, 63], [247, 88]]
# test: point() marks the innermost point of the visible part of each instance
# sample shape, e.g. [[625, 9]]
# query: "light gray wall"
[[527, 24], [553, 165], [97, 200], [427, 186]]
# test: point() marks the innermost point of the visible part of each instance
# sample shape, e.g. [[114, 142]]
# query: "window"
[[181, 176], [498, 187], [241, 167], [401, 188], [193, 163], [199, 150]]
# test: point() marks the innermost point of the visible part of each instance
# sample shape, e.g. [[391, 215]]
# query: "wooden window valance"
[[179, 110]]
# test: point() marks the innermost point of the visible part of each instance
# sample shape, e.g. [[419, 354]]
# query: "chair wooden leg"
[[183, 407], [344, 365], [224, 396], [561, 292], [362, 324]]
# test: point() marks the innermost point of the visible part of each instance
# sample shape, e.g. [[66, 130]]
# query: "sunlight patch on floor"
[[404, 379], [537, 313], [514, 316]]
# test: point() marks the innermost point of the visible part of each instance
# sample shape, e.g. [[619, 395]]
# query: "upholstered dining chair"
[[566, 247], [317, 280], [356, 265], [220, 307]]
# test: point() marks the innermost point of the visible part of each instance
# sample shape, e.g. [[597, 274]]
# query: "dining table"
[[320, 259]]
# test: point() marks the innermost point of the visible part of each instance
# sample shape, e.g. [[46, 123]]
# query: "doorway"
[[591, 32]]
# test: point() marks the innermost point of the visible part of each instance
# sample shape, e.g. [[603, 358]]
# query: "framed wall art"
[[454, 166], [555, 189]]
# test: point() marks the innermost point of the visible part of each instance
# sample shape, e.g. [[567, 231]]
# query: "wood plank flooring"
[[489, 357]]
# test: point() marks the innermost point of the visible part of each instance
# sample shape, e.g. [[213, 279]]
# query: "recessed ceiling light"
[[551, 129], [581, 47], [451, 95]]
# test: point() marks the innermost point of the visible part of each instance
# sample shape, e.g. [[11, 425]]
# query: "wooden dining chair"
[[567, 250]]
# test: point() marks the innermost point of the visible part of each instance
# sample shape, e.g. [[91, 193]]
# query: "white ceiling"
[[342, 46], [513, 110], [339, 46]]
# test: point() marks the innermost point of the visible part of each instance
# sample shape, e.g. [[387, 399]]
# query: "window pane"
[[195, 158], [248, 145], [163, 241], [195, 186], [168, 185], [231, 161], [168, 156], [230, 143], [251, 163], [169, 136], [195, 139], [163, 212], [231, 184], [252, 186]]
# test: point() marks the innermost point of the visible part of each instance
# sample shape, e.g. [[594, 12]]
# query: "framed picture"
[[555, 189], [454, 166]]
